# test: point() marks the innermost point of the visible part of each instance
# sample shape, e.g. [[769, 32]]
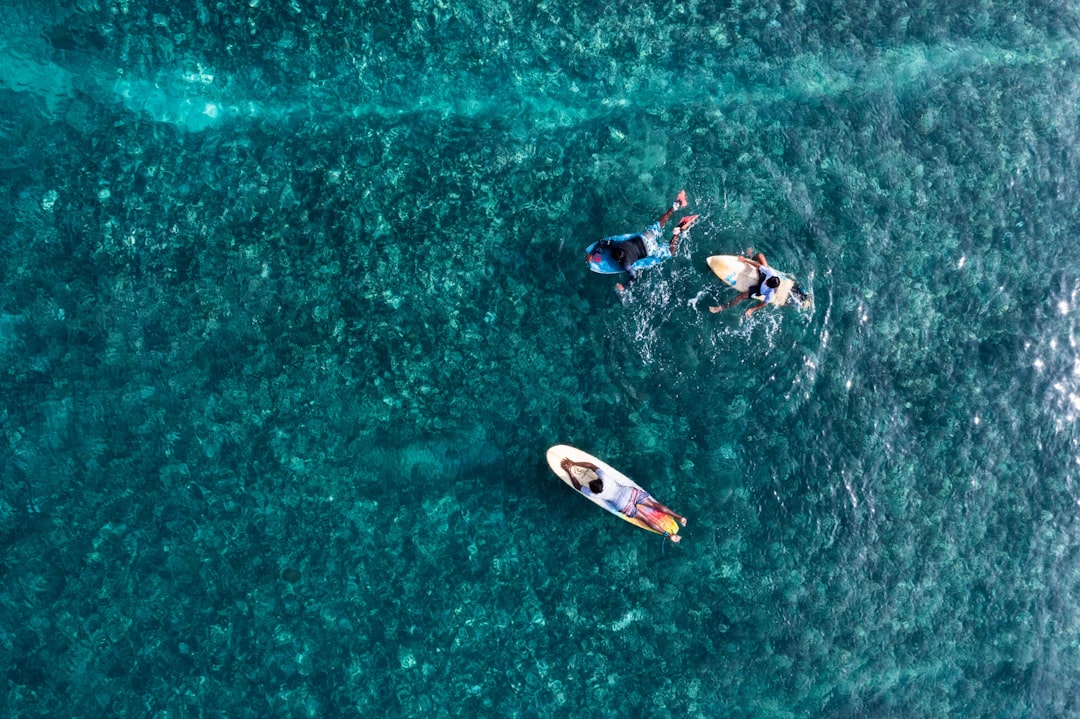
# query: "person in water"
[[627, 499], [764, 291], [626, 250]]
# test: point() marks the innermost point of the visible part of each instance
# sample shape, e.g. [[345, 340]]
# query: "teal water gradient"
[[294, 302]]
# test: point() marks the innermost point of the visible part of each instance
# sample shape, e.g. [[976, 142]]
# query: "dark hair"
[[619, 255], [596, 486], [773, 282]]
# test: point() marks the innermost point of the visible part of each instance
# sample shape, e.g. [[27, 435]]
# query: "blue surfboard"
[[601, 261]]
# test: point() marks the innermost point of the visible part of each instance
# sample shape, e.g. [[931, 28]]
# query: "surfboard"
[[742, 276], [559, 452], [601, 261]]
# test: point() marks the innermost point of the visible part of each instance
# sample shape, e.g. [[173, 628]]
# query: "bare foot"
[[682, 521], [715, 309], [675, 538]]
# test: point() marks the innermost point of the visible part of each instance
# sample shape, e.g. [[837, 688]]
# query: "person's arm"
[[742, 296], [754, 309]]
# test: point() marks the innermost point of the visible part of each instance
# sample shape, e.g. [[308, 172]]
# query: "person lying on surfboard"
[[632, 501], [629, 249], [763, 291]]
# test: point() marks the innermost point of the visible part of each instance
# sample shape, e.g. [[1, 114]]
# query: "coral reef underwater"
[[294, 302]]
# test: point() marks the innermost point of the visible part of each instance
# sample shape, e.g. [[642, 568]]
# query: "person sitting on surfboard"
[[768, 282], [626, 499], [627, 250]]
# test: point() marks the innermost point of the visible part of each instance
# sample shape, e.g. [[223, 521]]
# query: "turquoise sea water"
[[294, 301]]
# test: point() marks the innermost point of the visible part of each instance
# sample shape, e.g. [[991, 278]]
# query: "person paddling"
[[628, 250], [764, 291]]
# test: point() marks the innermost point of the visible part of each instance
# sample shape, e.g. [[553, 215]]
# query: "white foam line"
[[187, 100]]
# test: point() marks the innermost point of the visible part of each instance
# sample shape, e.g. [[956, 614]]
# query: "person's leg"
[[646, 509], [655, 525], [684, 224], [650, 502], [662, 220], [678, 204]]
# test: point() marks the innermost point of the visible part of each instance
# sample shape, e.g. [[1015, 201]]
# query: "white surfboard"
[[559, 452]]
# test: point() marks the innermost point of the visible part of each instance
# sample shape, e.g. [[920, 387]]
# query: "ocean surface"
[[293, 301]]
